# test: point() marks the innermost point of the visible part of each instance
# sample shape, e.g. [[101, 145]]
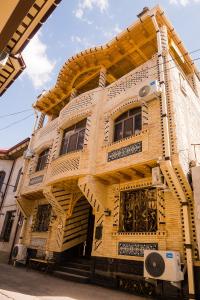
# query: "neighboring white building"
[[11, 161]]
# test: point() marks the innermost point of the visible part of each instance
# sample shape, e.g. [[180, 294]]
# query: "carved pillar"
[[102, 77], [73, 94], [41, 121]]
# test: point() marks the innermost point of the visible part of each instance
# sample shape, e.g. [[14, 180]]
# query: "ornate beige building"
[[108, 175]]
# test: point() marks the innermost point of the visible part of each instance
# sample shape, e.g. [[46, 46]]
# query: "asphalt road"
[[19, 284]]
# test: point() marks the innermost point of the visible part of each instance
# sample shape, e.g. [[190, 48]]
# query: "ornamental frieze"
[[135, 249], [125, 151]]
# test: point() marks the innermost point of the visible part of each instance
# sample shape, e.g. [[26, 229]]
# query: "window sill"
[[141, 133]]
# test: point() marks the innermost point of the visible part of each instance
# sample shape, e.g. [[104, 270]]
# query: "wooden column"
[[102, 77], [41, 121], [73, 94]]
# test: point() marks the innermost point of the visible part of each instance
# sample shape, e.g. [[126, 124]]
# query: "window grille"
[[73, 138], [138, 210], [42, 160], [128, 124], [42, 218]]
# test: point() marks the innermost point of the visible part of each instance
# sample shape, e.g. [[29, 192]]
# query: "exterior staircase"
[[77, 269]]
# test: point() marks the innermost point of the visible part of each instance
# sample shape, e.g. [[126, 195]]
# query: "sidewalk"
[[19, 284]]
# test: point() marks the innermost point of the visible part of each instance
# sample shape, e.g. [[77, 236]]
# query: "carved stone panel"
[[125, 151], [135, 249]]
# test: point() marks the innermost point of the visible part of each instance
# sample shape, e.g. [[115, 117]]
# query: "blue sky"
[[76, 25]]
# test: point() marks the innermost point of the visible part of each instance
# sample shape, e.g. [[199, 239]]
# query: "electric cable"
[[15, 113], [16, 122]]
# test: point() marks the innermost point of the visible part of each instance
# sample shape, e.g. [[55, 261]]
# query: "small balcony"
[[34, 182], [46, 134], [68, 166]]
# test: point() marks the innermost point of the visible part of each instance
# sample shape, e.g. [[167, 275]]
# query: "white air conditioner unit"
[[158, 178], [163, 265], [19, 252], [3, 58], [28, 154], [150, 91]]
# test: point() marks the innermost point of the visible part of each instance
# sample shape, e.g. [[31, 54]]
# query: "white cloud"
[[85, 5], [81, 42], [38, 66], [110, 34], [183, 2]]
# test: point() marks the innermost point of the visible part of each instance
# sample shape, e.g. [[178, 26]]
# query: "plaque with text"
[[125, 151], [135, 249], [36, 180], [38, 242]]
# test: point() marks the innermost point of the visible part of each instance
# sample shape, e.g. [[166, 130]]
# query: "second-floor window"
[[73, 137], [127, 124], [42, 160]]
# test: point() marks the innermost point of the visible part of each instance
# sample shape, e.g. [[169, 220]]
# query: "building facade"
[[11, 162], [109, 174]]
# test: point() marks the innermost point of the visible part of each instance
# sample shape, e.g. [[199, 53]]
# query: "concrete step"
[[71, 277], [77, 265], [73, 270]]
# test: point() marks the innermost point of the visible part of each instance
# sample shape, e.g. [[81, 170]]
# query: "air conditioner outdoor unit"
[[19, 252], [3, 58], [28, 154], [150, 91], [158, 178], [163, 265]]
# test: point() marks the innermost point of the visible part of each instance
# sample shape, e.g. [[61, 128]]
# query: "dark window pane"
[[73, 137], [118, 134], [72, 142], [138, 123], [81, 139], [81, 124], [134, 111], [122, 116], [128, 128], [42, 160], [7, 226], [2, 177]]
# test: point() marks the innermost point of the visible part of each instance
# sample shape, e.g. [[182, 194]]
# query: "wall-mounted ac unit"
[[3, 58], [19, 252], [163, 265], [28, 154], [157, 177], [150, 91]]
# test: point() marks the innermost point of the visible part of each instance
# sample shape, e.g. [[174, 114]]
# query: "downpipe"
[[188, 244]]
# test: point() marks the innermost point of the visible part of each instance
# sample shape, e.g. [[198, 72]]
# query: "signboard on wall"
[[38, 242], [36, 180], [125, 151], [135, 249]]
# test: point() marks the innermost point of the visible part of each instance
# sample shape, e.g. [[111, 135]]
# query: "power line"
[[16, 122], [15, 113]]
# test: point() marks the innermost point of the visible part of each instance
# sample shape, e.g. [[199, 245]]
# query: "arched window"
[[127, 124], [2, 177], [42, 160], [73, 137], [17, 180]]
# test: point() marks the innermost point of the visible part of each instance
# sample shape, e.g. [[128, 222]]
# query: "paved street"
[[19, 284]]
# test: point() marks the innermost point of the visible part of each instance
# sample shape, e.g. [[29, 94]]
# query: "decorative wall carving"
[[65, 165], [135, 249], [36, 180], [125, 151]]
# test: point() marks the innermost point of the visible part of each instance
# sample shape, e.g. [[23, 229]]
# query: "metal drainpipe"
[[167, 157]]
